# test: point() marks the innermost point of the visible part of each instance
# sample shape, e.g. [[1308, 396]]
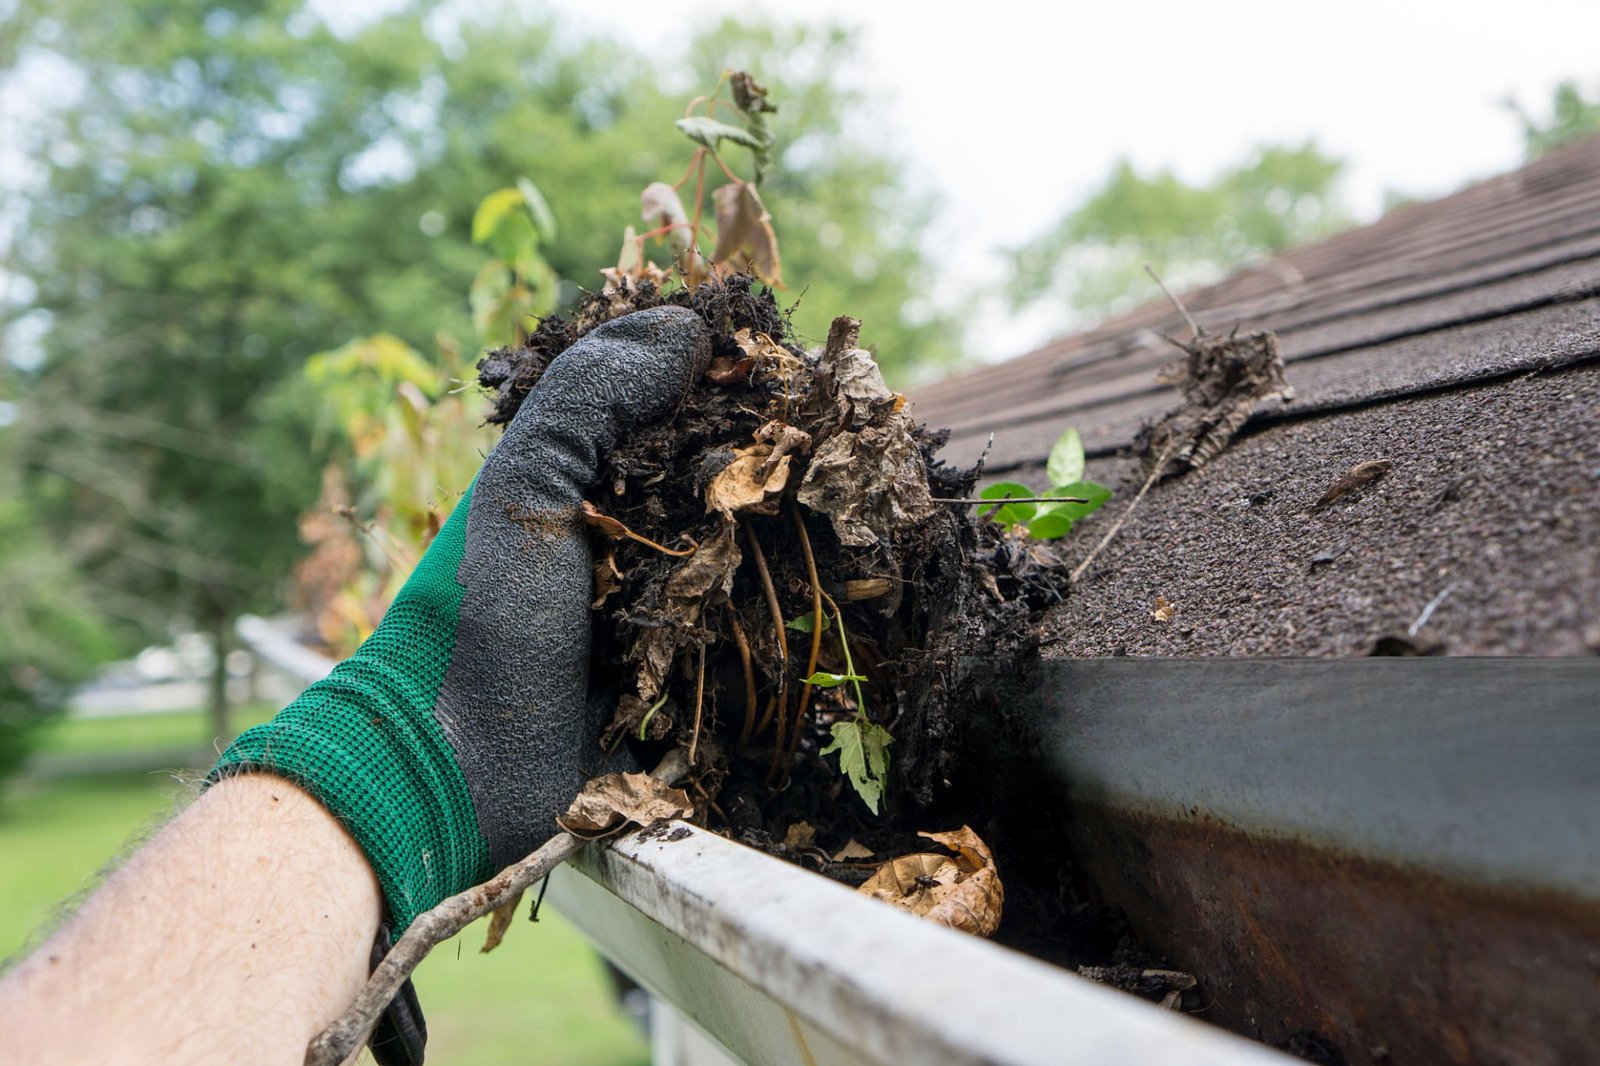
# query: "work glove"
[[454, 736]]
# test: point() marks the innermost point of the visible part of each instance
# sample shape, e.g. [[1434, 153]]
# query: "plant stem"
[[777, 622], [699, 703], [651, 713], [816, 638], [743, 644]]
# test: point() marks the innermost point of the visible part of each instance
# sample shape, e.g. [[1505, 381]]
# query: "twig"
[[1182, 310], [1120, 522], [351, 1029], [1427, 612], [398, 557], [816, 642], [777, 624], [743, 644], [699, 703]]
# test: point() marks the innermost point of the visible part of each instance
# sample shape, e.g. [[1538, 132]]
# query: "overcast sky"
[[1408, 92]]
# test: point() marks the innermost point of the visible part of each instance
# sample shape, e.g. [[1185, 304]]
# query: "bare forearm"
[[236, 934]]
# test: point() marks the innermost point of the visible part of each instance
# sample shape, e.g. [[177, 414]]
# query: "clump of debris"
[[779, 583]]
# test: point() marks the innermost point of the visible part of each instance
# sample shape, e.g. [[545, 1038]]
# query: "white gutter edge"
[[782, 966]]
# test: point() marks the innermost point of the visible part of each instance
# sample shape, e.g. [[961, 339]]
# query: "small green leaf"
[[1012, 513], [1095, 494], [823, 679], [1051, 525], [708, 131], [863, 749], [803, 624], [492, 210], [1065, 464], [543, 219]]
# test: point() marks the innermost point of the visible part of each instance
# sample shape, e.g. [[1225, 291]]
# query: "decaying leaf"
[[499, 922], [744, 232], [963, 892], [611, 801], [766, 352], [704, 575], [1163, 611], [1358, 476], [1222, 380], [660, 207], [749, 483], [853, 850], [607, 579], [869, 483], [800, 835], [868, 475]]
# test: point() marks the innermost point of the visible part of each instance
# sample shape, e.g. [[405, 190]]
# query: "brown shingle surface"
[[1458, 339]]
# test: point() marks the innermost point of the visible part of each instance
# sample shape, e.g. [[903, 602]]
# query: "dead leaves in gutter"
[[612, 801], [961, 891]]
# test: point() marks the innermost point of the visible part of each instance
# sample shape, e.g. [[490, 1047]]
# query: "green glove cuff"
[[365, 742]]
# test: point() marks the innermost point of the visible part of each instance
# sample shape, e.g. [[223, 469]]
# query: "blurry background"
[[240, 289]]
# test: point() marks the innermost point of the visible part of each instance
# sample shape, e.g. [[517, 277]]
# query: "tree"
[[1094, 257], [1572, 116], [230, 188]]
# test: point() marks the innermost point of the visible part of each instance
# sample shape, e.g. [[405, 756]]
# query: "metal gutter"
[[1395, 858], [781, 966]]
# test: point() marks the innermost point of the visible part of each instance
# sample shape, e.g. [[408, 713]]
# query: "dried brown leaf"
[[752, 482], [607, 579], [1163, 610], [800, 835], [1222, 380], [1358, 476], [964, 892], [725, 370], [853, 850], [611, 801], [744, 232], [499, 922]]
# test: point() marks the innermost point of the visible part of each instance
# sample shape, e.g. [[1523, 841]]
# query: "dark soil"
[[928, 593]]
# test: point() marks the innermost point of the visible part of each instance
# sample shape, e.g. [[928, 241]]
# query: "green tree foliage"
[[1094, 257], [228, 188], [1573, 115]]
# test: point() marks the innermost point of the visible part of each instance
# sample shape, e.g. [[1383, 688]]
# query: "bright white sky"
[[1408, 91], [1011, 112]]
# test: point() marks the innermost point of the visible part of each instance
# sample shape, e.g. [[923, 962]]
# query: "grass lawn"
[[141, 732], [540, 999]]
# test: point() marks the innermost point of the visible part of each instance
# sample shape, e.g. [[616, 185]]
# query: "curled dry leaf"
[[1163, 610], [611, 801], [607, 579], [1358, 476], [963, 892], [499, 922], [744, 232], [752, 482], [705, 575]]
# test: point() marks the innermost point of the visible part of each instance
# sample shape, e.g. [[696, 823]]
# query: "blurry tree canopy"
[[221, 189], [1572, 115], [1092, 260]]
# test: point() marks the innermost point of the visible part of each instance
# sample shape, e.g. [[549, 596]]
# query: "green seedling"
[[861, 744], [1043, 519]]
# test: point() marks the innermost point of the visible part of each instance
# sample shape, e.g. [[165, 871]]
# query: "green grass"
[[141, 732], [541, 998]]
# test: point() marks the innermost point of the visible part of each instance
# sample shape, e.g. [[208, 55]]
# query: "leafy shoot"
[[1047, 520]]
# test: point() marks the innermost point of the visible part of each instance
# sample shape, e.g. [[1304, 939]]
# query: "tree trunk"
[[221, 726]]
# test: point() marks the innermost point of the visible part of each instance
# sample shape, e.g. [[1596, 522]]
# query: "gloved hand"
[[451, 740]]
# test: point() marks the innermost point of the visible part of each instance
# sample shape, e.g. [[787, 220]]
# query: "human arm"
[[448, 743], [235, 934]]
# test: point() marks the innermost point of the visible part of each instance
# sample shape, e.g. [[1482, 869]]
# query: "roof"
[[1457, 339]]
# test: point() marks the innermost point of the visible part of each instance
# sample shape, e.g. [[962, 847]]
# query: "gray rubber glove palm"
[[454, 736]]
